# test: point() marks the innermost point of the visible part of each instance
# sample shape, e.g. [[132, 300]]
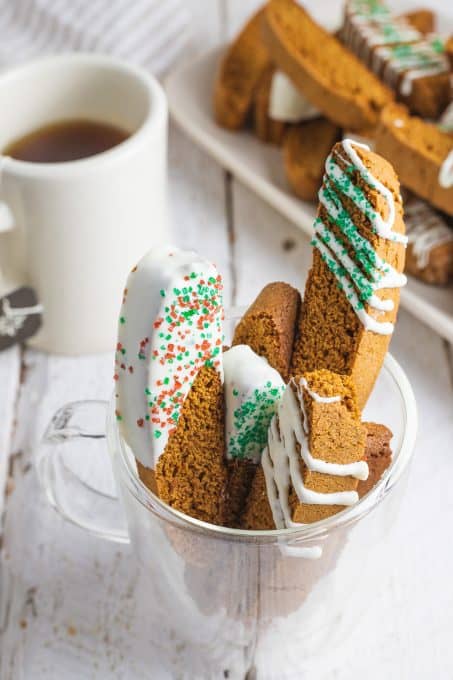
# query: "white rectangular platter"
[[259, 166]]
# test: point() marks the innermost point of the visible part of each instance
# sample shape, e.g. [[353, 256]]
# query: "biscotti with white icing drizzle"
[[332, 78], [429, 255], [422, 154], [352, 292], [315, 452], [414, 66], [169, 380]]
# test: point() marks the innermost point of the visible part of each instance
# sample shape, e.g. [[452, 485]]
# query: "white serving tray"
[[260, 167]]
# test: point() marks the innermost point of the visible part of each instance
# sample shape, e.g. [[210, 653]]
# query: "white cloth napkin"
[[147, 32]]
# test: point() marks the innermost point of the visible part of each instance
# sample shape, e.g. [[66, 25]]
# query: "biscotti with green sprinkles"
[[352, 292], [332, 78], [415, 67]]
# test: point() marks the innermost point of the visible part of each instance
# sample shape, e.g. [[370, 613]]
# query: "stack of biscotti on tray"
[[304, 88], [267, 433]]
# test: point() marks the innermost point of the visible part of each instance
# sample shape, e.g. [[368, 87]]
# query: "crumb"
[[288, 244], [71, 631]]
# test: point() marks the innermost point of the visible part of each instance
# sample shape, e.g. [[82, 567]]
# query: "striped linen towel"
[[151, 33]]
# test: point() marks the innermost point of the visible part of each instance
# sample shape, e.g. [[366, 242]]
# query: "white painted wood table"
[[67, 600]]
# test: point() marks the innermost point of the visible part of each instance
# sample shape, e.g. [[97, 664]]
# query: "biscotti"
[[191, 475], [352, 292], [169, 391], [329, 75], [378, 455], [305, 149], [415, 67], [255, 370], [316, 441], [429, 254], [269, 324], [421, 153], [252, 390], [267, 129], [239, 73]]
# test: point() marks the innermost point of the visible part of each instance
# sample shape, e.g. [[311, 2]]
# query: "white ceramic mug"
[[73, 230]]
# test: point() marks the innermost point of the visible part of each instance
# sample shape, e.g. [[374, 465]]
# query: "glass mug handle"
[[75, 473]]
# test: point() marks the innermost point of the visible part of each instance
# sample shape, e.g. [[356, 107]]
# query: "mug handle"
[[59, 469], [6, 217]]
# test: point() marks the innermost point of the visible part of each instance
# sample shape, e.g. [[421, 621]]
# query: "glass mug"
[[235, 604]]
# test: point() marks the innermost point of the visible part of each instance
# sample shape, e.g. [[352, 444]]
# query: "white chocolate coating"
[[170, 327], [446, 172], [253, 390], [446, 119], [287, 103]]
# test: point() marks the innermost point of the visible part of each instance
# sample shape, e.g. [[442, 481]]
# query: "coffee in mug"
[[64, 141]]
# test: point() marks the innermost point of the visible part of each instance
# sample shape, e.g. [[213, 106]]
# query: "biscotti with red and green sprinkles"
[[169, 380]]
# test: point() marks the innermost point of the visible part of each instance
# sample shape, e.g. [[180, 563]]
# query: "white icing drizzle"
[[281, 459], [383, 227], [426, 230], [316, 397], [359, 283], [287, 103], [252, 391], [391, 47], [170, 327], [446, 172]]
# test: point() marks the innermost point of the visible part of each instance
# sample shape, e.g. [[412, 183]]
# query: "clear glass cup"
[[232, 603]]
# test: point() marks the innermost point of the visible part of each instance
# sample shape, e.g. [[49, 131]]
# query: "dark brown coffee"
[[67, 140]]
